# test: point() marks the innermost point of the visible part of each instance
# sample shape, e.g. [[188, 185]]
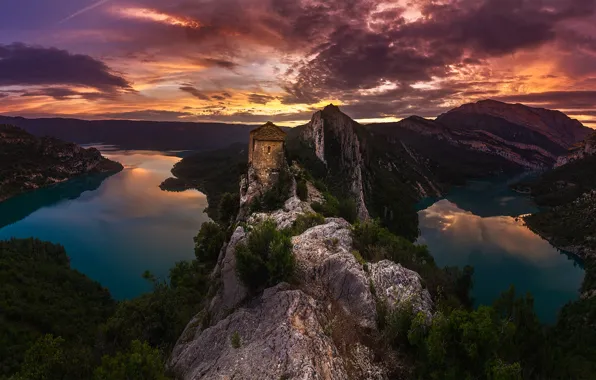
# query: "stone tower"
[[266, 150], [266, 159]]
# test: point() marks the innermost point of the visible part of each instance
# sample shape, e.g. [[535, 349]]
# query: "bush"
[[306, 221], [266, 259], [302, 190], [337, 207], [140, 362], [208, 243]]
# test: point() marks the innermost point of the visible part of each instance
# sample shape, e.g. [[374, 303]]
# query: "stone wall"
[[267, 155]]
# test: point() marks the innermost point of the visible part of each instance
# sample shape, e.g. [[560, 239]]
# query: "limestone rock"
[[280, 337], [285, 217], [398, 286], [326, 263], [230, 291]]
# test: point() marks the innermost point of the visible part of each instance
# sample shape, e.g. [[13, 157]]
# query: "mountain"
[[486, 138], [129, 134], [497, 117], [385, 180], [28, 162]]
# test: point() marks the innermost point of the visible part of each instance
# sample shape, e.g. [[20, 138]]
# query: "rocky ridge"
[[317, 328], [554, 125], [28, 163], [579, 151]]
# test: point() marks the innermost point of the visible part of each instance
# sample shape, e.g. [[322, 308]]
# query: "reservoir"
[[113, 227], [478, 225]]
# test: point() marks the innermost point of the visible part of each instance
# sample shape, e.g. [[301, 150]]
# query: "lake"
[[477, 225], [117, 227]]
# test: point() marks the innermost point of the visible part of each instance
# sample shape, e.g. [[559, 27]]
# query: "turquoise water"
[[477, 225], [113, 227]]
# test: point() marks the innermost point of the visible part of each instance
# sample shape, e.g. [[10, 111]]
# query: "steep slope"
[[570, 193], [28, 162], [517, 122], [385, 180], [457, 155]]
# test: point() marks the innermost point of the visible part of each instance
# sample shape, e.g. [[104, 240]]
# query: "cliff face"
[[28, 162], [334, 140], [384, 180], [319, 327]]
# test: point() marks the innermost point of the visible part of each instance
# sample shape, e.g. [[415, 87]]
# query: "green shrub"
[[306, 221], [302, 190], [228, 208], [266, 259], [140, 362], [359, 257], [235, 340]]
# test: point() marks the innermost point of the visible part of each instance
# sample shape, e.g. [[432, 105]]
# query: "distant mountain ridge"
[[488, 137], [128, 134], [554, 125], [28, 162]]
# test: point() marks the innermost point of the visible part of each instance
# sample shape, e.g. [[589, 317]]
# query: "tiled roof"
[[268, 132]]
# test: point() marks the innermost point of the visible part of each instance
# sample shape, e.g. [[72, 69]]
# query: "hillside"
[[28, 163], [128, 134], [569, 193]]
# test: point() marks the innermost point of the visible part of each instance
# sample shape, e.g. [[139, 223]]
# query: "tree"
[[45, 360], [228, 208], [140, 362], [208, 243]]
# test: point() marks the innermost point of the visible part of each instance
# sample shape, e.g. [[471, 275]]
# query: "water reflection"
[[125, 226], [503, 251]]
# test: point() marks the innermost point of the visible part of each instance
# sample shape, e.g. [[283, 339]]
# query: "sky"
[[249, 61]]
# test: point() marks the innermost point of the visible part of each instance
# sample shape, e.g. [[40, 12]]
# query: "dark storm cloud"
[[62, 93], [218, 97], [195, 92], [358, 54], [23, 65], [260, 98]]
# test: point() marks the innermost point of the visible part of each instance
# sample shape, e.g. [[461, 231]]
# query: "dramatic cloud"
[[260, 99], [194, 92], [23, 65], [262, 59]]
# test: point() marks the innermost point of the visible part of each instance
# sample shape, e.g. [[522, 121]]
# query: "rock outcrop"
[[333, 137], [579, 151], [28, 163], [320, 327]]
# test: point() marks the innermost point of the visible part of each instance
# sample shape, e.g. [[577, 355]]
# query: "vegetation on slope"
[[28, 162], [41, 295], [214, 173]]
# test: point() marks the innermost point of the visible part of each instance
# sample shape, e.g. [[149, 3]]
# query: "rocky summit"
[[318, 327], [28, 162]]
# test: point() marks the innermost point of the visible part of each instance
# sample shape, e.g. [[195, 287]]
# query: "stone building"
[[266, 150]]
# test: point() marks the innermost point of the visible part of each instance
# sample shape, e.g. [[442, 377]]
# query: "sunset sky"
[[257, 60]]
